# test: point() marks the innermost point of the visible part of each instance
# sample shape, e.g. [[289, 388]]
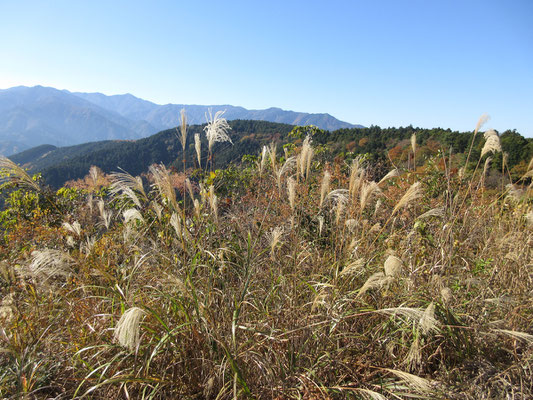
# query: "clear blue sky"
[[386, 63]]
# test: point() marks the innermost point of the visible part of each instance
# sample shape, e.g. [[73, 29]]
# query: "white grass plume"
[[368, 190], [291, 190], [416, 383], [163, 184], [264, 155], [183, 129], [413, 193], [285, 168], [492, 142], [132, 214], [127, 185], [438, 212], [11, 172], [391, 174], [213, 201], [354, 268], [357, 174], [48, 263], [75, 227], [128, 327], [375, 281], [216, 129], [516, 335], [175, 222], [482, 120], [393, 266], [105, 215], [274, 238], [198, 148], [427, 322], [93, 173], [324, 187], [413, 142]]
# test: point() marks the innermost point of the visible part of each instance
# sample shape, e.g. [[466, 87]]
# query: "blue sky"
[[386, 63]]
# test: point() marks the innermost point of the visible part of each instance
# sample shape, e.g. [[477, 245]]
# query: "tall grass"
[[317, 282]]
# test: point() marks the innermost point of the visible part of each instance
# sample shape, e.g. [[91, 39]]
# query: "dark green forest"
[[390, 145]]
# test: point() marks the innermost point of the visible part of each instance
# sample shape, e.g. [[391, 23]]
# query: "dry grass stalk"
[[48, 263], [324, 187], [163, 183], [428, 323], [274, 238], [526, 337], [391, 174], [438, 212], [413, 193], [416, 383]]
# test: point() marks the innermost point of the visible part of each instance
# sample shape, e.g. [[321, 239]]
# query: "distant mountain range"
[[31, 116]]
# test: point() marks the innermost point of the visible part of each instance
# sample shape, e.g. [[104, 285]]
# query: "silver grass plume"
[[189, 188], [183, 129], [375, 281], [285, 168], [75, 227], [198, 148], [11, 172], [392, 266], [370, 394], [516, 335], [213, 201], [132, 214], [158, 209], [48, 263], [93, 173], [163, 183], [305, 157], [291, 190], [357, 173], [418, 384], [128, 327], [175, 221], [413, 193], [320, 224], [377, 207], [413, 142], [129, 186], [492, 142], [482, 120], [274, 238], [485, 169], [324, 187], [438, 212], [427, 322], [514, 193], [264, 154], [368, 189], [216, 129], [272, 154], [105, 215], [391, 174]]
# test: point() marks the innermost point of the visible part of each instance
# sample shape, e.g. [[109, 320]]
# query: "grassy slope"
[[280, 291]]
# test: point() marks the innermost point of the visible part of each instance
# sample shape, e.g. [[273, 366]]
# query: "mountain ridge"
[[32, 116]]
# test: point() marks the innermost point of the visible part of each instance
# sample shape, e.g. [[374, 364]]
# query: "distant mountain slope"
[[31, 116], [59, 165], [39, 115], [166, 116]]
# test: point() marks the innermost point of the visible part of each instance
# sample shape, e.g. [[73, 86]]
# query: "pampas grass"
[[11, 172], [198, 149], [324, 187], [128, 327], [413, 193], [492, 143]]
